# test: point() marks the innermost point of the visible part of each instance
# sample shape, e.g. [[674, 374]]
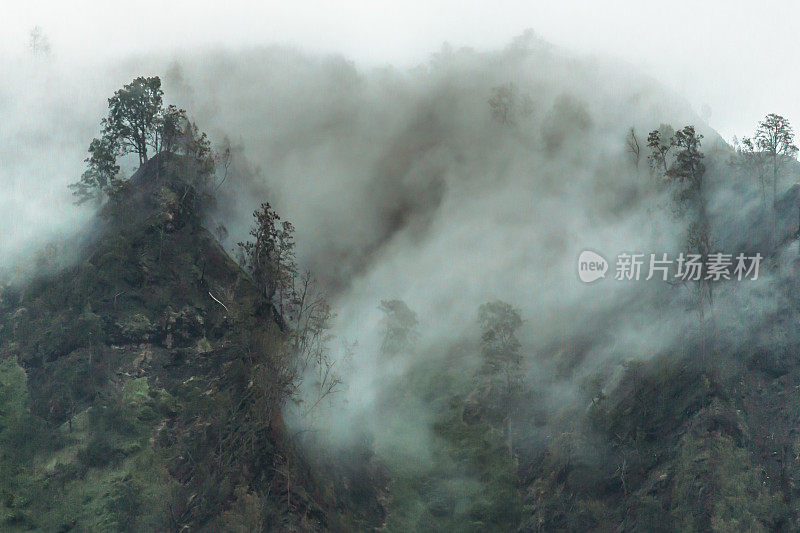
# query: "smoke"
[[404, 184]]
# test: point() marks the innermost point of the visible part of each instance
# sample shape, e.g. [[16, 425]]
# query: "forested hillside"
[[356, 304]]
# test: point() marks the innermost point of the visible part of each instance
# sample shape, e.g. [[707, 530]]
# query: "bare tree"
[[632, 143], [300, 308], [310, 324], [38, 42], [224, 158]]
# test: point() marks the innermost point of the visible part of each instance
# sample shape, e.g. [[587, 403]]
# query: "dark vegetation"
[[701, 439], [144, 387]]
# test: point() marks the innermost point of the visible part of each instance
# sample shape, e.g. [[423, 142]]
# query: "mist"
[[402, 184]]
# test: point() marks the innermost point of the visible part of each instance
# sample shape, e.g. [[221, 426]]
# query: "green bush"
[[99, 452]]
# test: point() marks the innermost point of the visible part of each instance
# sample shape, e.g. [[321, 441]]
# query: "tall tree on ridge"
[[775, 138]]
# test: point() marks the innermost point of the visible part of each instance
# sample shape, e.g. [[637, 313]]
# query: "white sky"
[[738, 57]]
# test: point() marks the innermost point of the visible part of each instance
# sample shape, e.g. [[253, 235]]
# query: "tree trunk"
[[774, 195]]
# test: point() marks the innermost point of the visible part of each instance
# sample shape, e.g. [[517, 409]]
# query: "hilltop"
[[138, 385]]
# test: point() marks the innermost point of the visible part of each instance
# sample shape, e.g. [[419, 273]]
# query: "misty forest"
[[268, 290]]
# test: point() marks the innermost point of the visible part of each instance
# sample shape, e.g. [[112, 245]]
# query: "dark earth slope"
[[138, 389]]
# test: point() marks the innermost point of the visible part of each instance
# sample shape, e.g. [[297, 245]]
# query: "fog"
[[729, 59], [402, 184]]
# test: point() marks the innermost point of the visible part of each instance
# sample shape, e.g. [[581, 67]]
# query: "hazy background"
[[378, 143], [736, 57]]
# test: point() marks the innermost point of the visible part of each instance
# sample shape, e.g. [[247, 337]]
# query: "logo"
[[715, 267], [591, 266]]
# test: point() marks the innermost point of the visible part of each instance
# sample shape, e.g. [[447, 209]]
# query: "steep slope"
[[700, 438], [139, 387]]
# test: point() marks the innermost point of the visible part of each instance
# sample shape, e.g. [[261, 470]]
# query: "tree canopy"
[[775, 136], [688, 166], [139, 123], [269, 257], [101, 174], [134, 115]]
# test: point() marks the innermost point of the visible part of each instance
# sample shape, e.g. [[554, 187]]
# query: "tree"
[[38, 42], [300, 309], [632, 144], [169, 128], [500, 348], [775, 138], [137, 122], [677, 157], [507, 105], [660, 142], [269, 258], [502, 361], [199, 163], [309, 321], [688, 170], [749, 158], [101, 174], [223, 158], [688, 166], [133, 116], [399, 327]]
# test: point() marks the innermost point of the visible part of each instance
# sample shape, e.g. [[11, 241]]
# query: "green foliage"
[[716, 488], [133, 114], [676, 155], [88, 328], [158, 373], [138, 122], [170, 125], [775, 137], [500, 379], [446, 475], [99, 452], [660, 142], [299, 310], [469, 484], [101, 175], [101, 476], [269, 257], [13, 391], [688, 165]]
